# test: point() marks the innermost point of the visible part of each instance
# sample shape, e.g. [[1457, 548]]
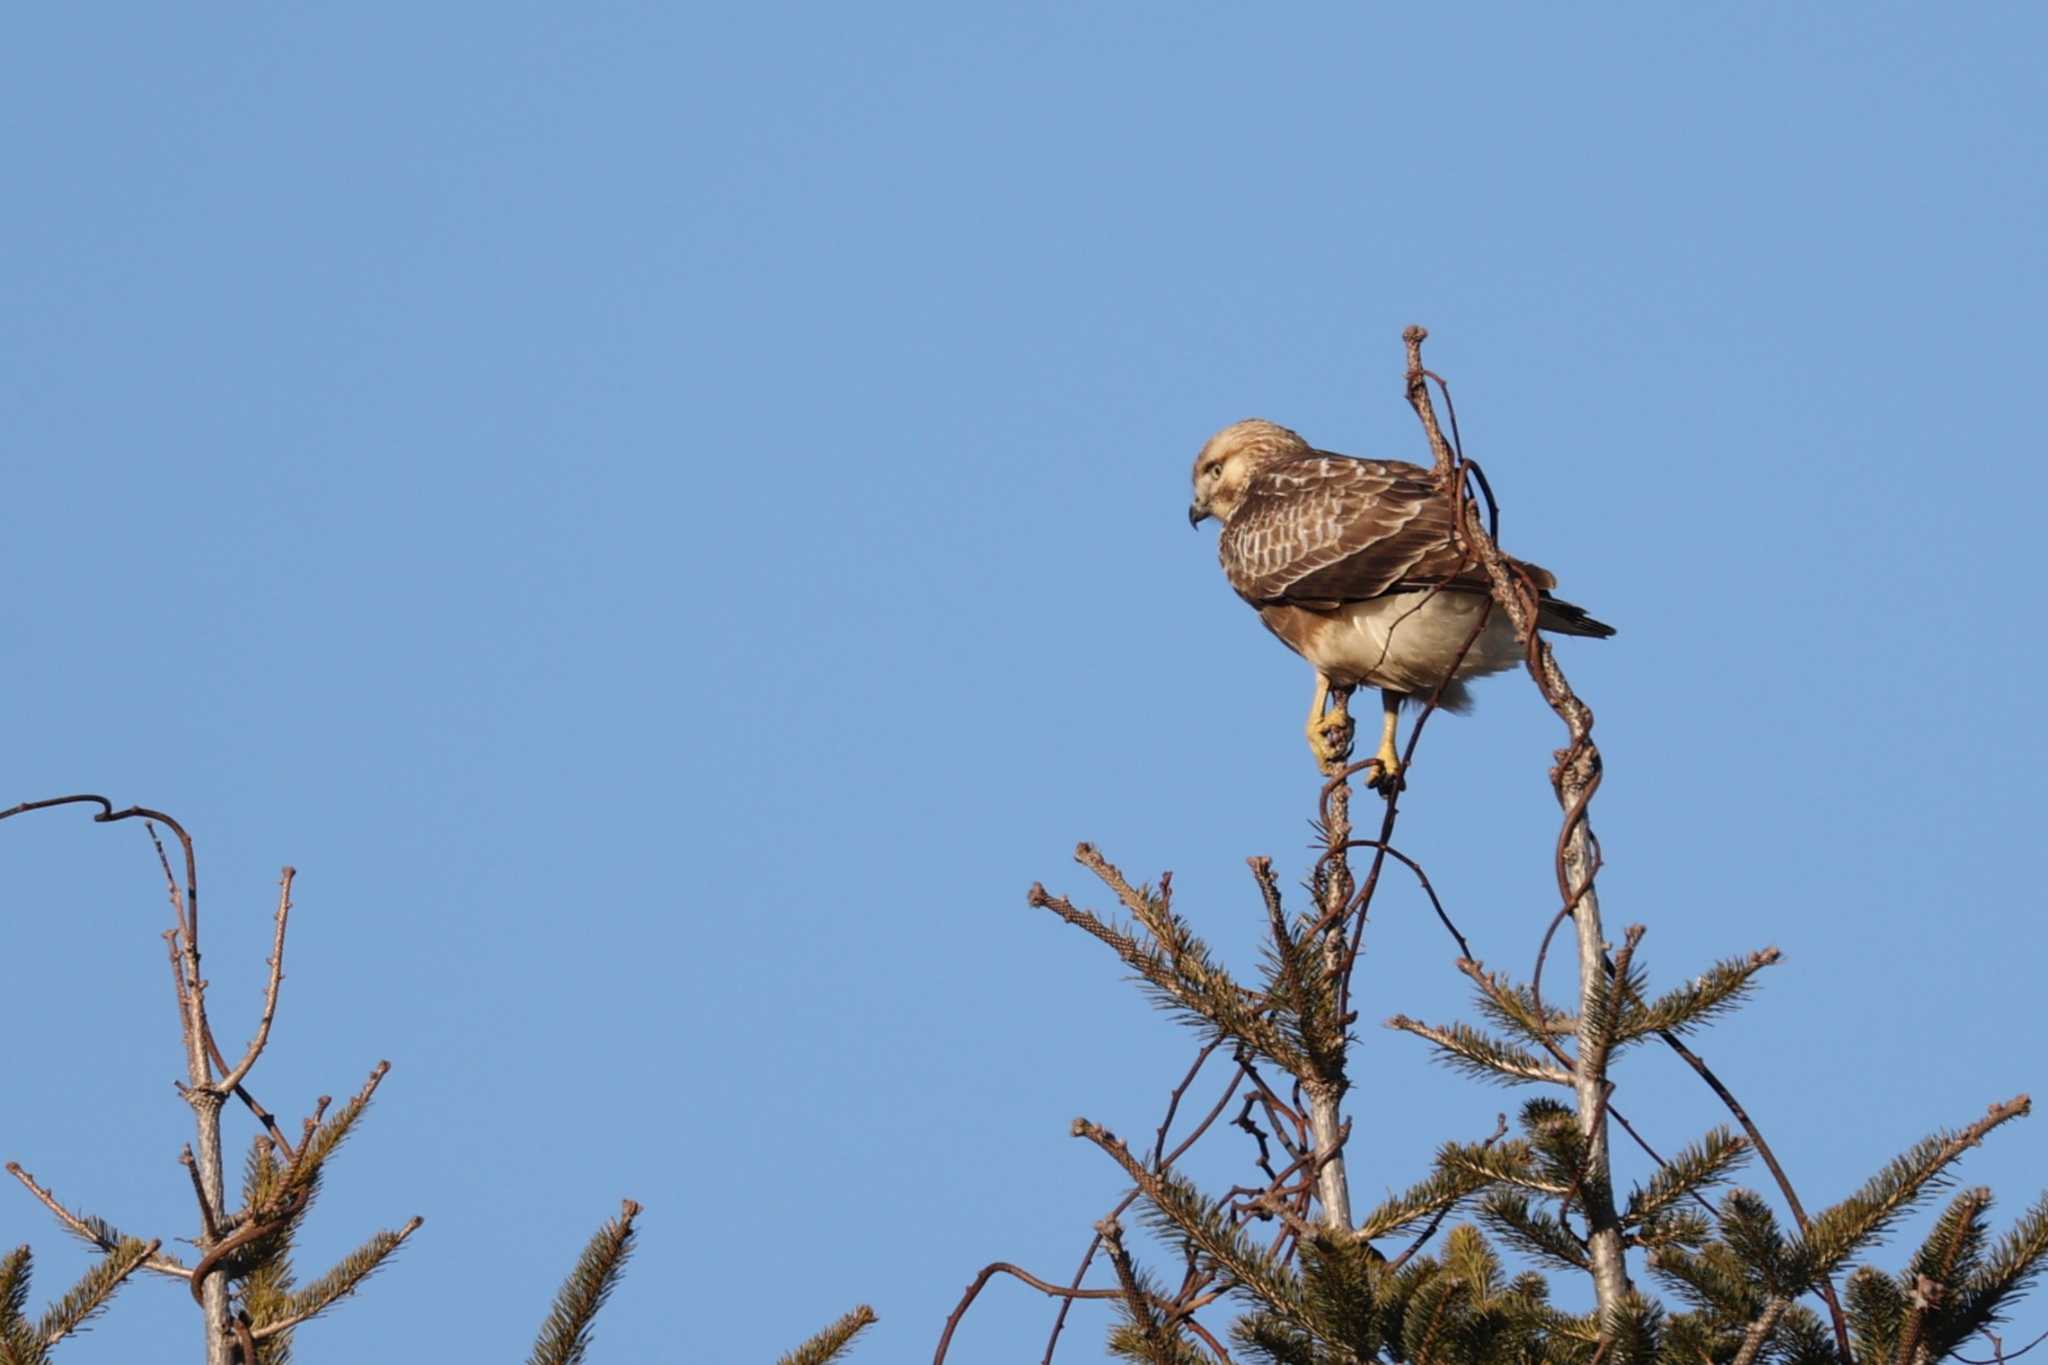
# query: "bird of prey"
[[1354, 565]]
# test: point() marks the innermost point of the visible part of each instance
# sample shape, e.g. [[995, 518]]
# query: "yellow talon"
[[1330, 730], [1388, 757]]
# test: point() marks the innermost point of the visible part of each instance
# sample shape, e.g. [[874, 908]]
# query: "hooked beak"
[[1197, 514]]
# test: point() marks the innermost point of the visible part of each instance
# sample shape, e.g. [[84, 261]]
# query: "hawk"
[[1353, 564]]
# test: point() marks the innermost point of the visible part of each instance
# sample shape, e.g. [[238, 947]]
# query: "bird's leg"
[[1388, 758], [1329, 727]]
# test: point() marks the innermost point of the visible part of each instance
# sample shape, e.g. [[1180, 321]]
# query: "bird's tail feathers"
[[1568, 618], [1456, 698]]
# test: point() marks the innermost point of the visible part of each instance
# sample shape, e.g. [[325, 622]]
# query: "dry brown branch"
[[262, 1038], [1999, 1355], [80, 1228], [989, 1272], [206, 1215]]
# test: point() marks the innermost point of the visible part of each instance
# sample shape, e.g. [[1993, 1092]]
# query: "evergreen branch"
[[1274, 1338], [94, 1290], [1467, 1256], [1934, 1269], [1500, 1131], [1473, 1052], [1430, 1313], [303, 1174], [1515, 1008], [1513, 1217], [1145, 1335], [2011, 1268], [1128, 1341], [1150, 911], [565, 1336], [1837, 1233], [1706, 1163], [97, 1232], [1178, 973], [1601, 1006], [1802, 1339], [831, 1344], [1301, 985], [1713, 1280], [1554, 1138], [1750, 1230], [1875, 1308], [1632, 1329], [1441, 1191], [1683, 1227], [14, 1272], [1713, 993], [1203, 1225], [344, 1279], [1511, 1163]]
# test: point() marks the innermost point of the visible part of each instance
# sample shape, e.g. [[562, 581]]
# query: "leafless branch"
[[256, 1044], [206, 1215]]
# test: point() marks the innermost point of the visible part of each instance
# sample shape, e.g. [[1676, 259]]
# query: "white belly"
[[1409, 641]]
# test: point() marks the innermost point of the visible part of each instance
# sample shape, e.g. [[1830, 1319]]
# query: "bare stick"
[[1999, 1354], [989, 1272], [256, 1044], [206, 1217]]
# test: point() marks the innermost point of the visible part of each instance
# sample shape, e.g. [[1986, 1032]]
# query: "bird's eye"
[[1212, 471]]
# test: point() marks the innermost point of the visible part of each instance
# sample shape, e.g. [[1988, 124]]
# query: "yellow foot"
[[1329, 738], [1386, 776]]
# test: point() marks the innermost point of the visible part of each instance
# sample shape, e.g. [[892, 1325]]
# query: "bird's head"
[[1231, 459]]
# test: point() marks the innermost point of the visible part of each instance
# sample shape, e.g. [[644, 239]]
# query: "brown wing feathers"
[[1328, 529]]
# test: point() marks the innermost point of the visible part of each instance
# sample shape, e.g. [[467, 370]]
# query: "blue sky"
[[671, 519]]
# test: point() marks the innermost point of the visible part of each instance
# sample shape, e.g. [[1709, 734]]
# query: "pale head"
[[1230, 460]]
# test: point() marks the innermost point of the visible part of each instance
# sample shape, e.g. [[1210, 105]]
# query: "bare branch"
[[256, 1044]]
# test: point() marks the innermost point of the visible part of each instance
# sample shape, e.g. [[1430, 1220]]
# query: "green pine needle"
[[344, 1279], [1876, 1309], [1706, 1163], [94, 1290], [1512, 1008], [1505, 1163], [1840, 1232], [1466, 1049], [1713, 993], [565, 1336], [14, 1273], [831, 1343], [1515, 1218], [1175, 969], [1441, 1191]]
